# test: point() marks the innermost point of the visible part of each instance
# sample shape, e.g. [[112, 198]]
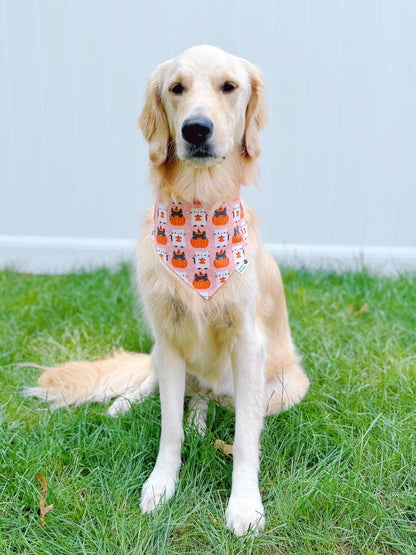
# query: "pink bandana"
[[202, 246]]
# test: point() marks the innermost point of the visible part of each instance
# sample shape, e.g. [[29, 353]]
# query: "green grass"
[[338, 471]]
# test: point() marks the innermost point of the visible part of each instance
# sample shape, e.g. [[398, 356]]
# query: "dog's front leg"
[[170, 369], [245, 510]]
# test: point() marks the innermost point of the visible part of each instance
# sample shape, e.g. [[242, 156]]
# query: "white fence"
[[339, 157]]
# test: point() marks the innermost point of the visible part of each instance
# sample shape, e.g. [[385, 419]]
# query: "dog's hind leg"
[[285, 387], [198, 410], [135, 395], [286, 382]]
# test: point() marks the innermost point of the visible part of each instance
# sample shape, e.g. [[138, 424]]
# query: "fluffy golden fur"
[[237, 346]]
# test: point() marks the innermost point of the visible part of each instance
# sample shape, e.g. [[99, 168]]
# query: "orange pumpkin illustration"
[[199, 239], [161, 236], [221, 259], [242, 212], [176, 216], [201, 281], [220, 216], [237, 236], [179, 260]]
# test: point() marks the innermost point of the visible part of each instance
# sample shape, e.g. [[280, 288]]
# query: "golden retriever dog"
[[202, 117]]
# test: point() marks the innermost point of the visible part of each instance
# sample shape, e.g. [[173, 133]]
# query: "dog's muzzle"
[[199, 149]]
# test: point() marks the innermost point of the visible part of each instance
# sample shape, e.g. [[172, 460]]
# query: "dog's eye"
[[177, 88], [228, 87]]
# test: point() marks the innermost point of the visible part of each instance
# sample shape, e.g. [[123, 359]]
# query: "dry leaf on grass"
[[224, 447], [363, 309], [43, 508], [214, 520]]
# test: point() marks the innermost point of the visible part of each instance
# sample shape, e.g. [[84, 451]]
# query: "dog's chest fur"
[[204, 340]]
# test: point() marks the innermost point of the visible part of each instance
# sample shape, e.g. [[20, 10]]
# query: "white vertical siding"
[[339, 156]]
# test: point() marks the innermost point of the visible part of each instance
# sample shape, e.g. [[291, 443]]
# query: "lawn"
[[338, 471]]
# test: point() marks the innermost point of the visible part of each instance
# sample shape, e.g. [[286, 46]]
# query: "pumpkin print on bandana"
[[203, 246]]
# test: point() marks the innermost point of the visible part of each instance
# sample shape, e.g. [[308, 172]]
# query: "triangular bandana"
[[201, 245]]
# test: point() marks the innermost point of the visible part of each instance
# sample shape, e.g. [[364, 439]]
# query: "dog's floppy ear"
[[256, 114], [153, 122]]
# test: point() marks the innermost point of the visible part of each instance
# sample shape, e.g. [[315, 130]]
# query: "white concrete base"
[[59, 255], [386, 261]]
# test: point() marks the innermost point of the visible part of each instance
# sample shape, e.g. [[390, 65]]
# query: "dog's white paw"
[[198, 410], [198, 421], [120, 406], [159, 487], [245, 513]]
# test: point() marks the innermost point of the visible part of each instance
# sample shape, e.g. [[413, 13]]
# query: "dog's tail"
[[123, 374]]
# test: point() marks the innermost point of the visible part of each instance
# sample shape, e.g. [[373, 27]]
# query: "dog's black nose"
[[197, 130]]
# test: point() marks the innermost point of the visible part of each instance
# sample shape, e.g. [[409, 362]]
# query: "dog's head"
[[202, 105]]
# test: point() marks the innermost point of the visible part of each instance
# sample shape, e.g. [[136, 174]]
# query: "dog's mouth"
[[201, 155]]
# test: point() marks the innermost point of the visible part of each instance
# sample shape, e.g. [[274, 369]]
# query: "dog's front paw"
[[159, 487], [245, 513]]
